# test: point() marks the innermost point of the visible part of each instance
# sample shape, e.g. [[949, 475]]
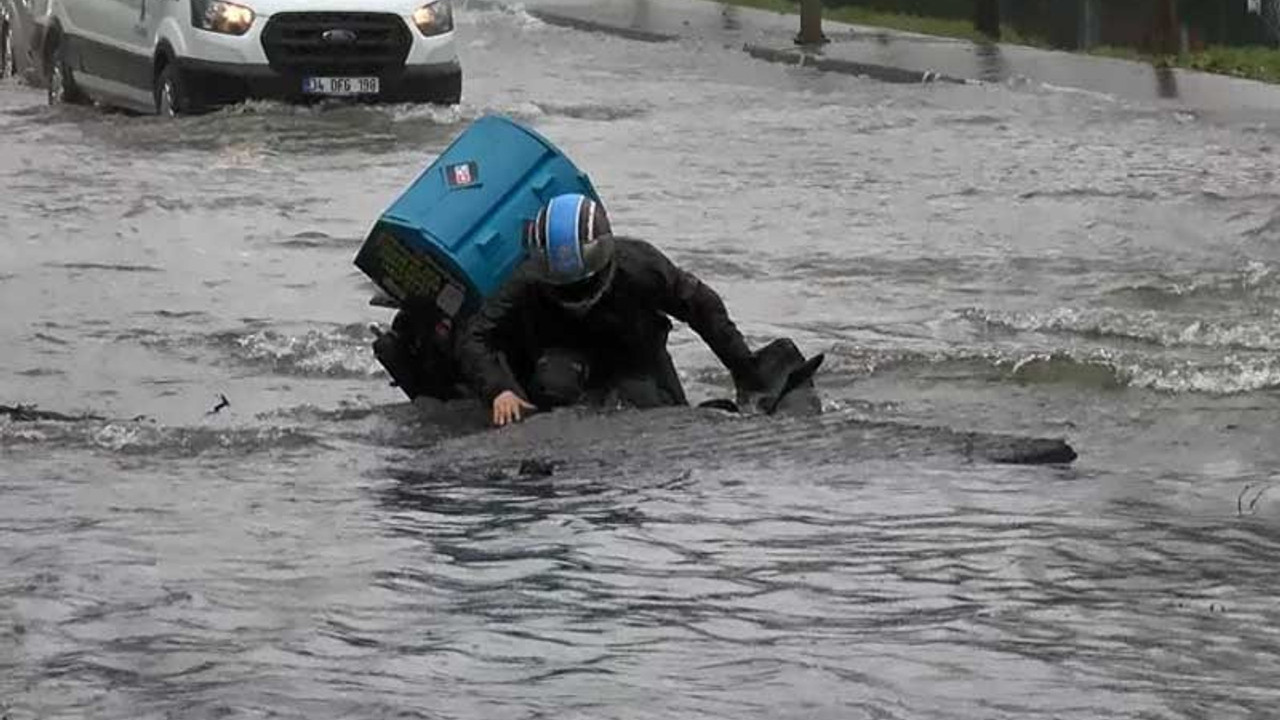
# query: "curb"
[[784, 56], [883, 73], [578, 23]]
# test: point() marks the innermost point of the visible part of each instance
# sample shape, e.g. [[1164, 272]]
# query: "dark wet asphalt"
[[1007, 259]]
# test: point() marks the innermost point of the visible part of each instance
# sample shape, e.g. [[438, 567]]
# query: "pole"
[[811, 23], [1090, 25], [1167, 28], [986, 18]]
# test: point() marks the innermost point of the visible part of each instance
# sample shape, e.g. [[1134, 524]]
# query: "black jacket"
[[625, 332]]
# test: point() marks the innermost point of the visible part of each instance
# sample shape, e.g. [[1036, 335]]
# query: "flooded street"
[[1005, 258]]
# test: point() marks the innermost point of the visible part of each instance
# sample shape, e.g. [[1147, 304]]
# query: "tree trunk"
[[810, 23], [986, 18], [1168, 36]]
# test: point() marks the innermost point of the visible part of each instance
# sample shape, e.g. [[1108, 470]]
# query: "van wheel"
[[445, 90], [450, 91], [173, 97], [62, 80], [168, 90]]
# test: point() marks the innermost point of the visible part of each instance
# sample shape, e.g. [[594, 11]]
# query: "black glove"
[[774, 370], [749, 386]]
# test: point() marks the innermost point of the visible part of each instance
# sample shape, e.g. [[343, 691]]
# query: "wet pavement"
[[894, 56], [999, 258]]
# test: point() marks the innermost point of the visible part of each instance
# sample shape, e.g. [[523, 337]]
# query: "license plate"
[[340, 85]]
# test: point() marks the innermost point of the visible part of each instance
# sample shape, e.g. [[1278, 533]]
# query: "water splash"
[[1146, 327], [341, 351], [1256, 281], [1086, 368], [125, 437], [337, 352]]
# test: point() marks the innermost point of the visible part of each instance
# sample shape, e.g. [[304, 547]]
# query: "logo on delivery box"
[[462, 174]]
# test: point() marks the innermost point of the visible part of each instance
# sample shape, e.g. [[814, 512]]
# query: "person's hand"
[[507, 408]]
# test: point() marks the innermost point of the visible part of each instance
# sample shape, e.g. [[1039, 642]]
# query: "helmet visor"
[[584, 293]]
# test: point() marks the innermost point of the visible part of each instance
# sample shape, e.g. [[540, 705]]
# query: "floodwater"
[[999, 258]]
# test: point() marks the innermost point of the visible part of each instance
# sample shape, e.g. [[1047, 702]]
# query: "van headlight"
[[221, 16], [435, 18]]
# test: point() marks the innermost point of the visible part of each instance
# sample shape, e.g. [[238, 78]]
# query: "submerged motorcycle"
[[417, 354], [455, 235]]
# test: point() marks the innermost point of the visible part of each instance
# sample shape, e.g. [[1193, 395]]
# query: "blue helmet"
[[571, 244]]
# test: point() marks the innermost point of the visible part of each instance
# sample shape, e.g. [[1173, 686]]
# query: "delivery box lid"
[[465, 215]]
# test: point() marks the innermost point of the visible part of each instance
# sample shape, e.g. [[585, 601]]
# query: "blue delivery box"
[[452, 238]]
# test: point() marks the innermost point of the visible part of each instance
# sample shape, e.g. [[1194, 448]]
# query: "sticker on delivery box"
[[462, 175], [450, 299]]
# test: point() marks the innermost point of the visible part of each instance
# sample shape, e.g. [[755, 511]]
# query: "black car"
[[20, 41]]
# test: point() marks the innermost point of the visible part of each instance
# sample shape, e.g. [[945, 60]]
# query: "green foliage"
[[1258, 63], [1255, 63], [906, 22], [951, 9]]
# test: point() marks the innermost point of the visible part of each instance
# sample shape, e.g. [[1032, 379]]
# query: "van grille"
[[296, 42]]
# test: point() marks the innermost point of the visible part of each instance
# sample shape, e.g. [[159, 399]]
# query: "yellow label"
[[413, 273]]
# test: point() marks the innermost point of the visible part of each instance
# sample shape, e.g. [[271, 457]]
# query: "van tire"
[[173, 97], [443, 90], [449, 91], [62, 80]]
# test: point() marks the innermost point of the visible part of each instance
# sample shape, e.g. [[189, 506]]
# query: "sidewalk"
[[894, 56]]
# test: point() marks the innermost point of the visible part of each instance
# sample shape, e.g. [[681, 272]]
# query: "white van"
[[183, 56]]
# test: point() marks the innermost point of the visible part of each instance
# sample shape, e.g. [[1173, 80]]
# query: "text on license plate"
[[340, 85]]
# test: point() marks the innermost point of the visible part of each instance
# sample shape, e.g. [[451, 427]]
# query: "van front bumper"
[[215, 83]]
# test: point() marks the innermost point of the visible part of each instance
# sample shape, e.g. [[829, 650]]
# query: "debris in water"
[[1253, 504], [223, 402], [534, 467], [29, 413]]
